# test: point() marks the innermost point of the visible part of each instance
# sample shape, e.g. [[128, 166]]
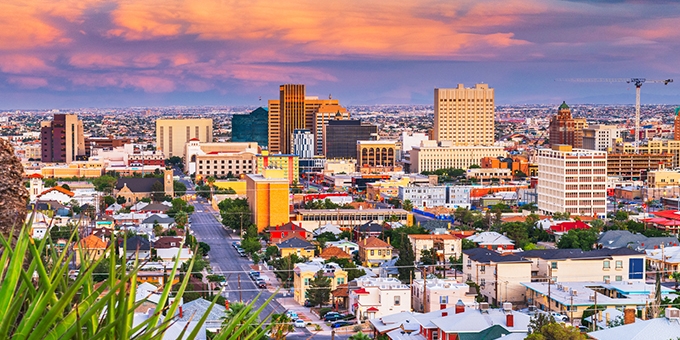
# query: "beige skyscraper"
[[464, 116], [173, 134]]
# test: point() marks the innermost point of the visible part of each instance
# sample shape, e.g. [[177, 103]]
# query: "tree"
[[578, 238], [548, 329], [251, 245], [121, 200], [179, 188], [319, 291], [281, 326], [359, 336], [157, 229], [285, 266], [428, 257], [235, 310], [408, 205], [327, 237], [271, 252], [517, 231], [50, 182], [348, 266], [405, 263], [467, 244], [235, 213], [676, 277], [108, 200], [104, 183], [158, 191], [66, 186], [203, 248], [181, 219]]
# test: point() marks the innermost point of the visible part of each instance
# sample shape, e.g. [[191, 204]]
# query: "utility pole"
[[571, 309], [549, 282], [240, 295], [333, 334], [595, 315]]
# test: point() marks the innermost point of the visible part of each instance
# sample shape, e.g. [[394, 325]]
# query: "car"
[[559, 317], [242, 253], [254, 274], [235, 244], [339, 324], [292, 315], [299, 323], [333, 317], [308, 304], [261, 284], [224, 283]]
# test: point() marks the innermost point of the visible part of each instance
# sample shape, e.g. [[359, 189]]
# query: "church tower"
[[36, 186], [168, 182]]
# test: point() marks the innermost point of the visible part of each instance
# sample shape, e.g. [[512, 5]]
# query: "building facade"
[[286, 162], [303, 143], [432, 156], [268, 199], [62, 139], [304, 274], [220, 160], [173, 134], [464, 116], [632, 166], [326, 113], [656, 146], [376, 155], [252, 127], [438, 294], [563, 128], [572, 180], [600, 137], [341, 136], [378, 297], [499, 276]]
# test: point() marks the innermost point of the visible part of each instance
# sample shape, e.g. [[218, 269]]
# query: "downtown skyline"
[[68, 54]]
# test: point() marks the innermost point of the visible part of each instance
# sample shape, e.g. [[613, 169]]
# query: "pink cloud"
[[28, 82]]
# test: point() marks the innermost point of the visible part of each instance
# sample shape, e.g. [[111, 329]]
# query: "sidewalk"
[[305, 314]]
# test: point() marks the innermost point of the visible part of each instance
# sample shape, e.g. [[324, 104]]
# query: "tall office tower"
[[324, 114], [292, 111], [464, 116], [252, 127], [62, 139], [564, 129], [572, 180], [173, 134], [341, 136], [303, 143], [676, 125]]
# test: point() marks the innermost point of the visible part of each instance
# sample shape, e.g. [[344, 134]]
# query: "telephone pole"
[[240, 295]]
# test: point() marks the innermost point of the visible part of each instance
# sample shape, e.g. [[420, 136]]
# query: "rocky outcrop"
[[13, 193]]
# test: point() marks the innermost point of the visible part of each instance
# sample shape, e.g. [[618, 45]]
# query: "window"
[[619, 278], [397, 300], [619, 264], [443, 299], [605, 264], [306, 282], [372, 252], [482, 269], [605, 278], [341, 280], [482, 282], [553, 265]]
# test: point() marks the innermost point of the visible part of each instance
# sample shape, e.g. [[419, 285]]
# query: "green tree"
[[66, 186], [285, 266], [271, 252], [181, 219], [50, 182], [235, 213], [121, 200], [203, 248], [428, 257], [360, 336], [157, 229], [327, 237], [281, 326], [158, 191], [676, 277], [556, 331], [104, 183], [179, 188], [349, 267], [319, 291], [578, 238], [467, 244], [108, 200], [405, 263], [517, 231], [408, 205], [251, 245]]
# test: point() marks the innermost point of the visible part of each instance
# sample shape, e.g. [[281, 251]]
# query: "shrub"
[[324, 311]]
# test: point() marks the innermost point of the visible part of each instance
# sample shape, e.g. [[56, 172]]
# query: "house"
[[369, 229], [134, 189], [187, 317], [296, 246], [163, 221], [565, 265], [283, 232], [57, 193], [667, 327], [573, 298], [135, 247], [564, 227], [440, 294], [113, 209], [304, 274], [445, 245], [40, 224], [405, 322], [155, 208], [331, 252], [92, 248], [378, 297], [482, 323], [348, 247], [492, 240], [328, 228], [389, 268], [498, 275], [666, 259], [374, 251], [625, 239], [138, 206], [169, 248]]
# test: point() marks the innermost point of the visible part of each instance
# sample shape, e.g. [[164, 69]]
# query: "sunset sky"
[[86, 53]]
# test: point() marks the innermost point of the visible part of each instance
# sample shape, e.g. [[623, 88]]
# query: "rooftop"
[[563, 254], [487, 256], [633, 293]]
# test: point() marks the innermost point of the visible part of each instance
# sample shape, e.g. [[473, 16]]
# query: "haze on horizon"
[[91, 53]]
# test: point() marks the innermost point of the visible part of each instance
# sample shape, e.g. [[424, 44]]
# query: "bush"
[[324, 311]]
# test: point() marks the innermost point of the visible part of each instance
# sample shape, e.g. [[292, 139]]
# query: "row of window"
[[207, 161]]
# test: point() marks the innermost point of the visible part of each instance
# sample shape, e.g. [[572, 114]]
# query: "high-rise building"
[[293, 110], [676, 125], [572, 180], [62, 139], [600, 137], [325, 114], [341, 136], [655, 146], [252, 127], [267, 194], [564, 129], [173, 134], [464, 116], [303, 143], [290, 164]]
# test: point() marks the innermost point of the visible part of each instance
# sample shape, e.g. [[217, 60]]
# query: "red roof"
[[35, 176], [60, 189], [566, 226], [372, 310], [669, 214], [194, 139], [361, 290]]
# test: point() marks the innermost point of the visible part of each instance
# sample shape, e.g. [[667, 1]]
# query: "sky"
[[117, 53]]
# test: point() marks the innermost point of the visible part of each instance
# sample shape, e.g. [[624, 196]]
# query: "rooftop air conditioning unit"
[[672, 313], [484, 307], [574, 292], [559, 286], [507, 306], [591, 298]]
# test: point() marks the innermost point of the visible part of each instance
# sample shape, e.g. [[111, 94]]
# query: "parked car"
[[299, 323], [261, 283], [308, 304], [339, 324], [254, 274], [242, 253], [292, 315], [333, 317], [559, 317], [235, 244]]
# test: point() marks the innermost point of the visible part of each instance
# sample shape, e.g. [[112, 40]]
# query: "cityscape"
[[425, 171]]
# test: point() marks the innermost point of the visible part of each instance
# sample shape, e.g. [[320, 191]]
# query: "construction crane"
[[638, 84]]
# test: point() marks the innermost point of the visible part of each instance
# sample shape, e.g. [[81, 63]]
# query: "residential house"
[[403, 322], [296, 246], [163, 221], [283, 232], [57, 193], [334, 252], [328, 228], [134, 189], [573, 298], [348, 247], [435, 294], [370, 229], [445, 246], [666, 259], [492, 240], [138, 206], [135, 247], [378, 297], [156, 208], [667, 327], [91, 248], [625, 239], [483, 323], [374, 251], [498, 275], [169, 248], [304, 274], [39, 225], [565, 265], [113, 209]]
